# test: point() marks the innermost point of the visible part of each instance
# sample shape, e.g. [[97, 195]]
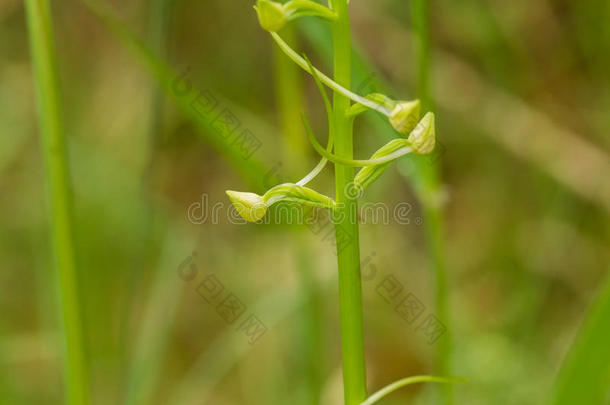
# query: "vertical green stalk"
[[58, 195], [143, 365], [430, 187], [346, 222]]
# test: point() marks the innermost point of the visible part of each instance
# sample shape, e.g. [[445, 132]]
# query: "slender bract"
[[407, 381], [346, 222], [58, 195]]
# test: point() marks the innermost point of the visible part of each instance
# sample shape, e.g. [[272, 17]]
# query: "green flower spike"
[[272, 15], [404, 116], [252, 207]]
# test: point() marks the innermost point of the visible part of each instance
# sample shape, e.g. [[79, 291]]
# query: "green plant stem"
[[430, 187], [58, 195], [346, 222]]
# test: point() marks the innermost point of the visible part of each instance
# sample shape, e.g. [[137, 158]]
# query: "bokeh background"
[[522, 98]]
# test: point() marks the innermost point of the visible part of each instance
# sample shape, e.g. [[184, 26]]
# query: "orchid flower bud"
[[404, 116], [249, 206], [252, 207], [423, 137], [271, 15], [300, 194]]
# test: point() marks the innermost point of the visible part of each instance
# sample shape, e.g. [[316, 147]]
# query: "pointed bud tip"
[[404, 116], [249, 206], [271, 15], [423, 137]]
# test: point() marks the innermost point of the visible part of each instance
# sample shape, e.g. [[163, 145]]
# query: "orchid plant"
[[413, 135]]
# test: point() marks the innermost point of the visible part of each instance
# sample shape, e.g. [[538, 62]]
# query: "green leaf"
[[584, 377]]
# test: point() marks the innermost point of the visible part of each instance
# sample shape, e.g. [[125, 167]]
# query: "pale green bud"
[[250, 206], [271, 15], [404, 116], [423, 137], [299, 194]]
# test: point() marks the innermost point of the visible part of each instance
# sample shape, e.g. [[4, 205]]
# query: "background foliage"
[[522, 96]]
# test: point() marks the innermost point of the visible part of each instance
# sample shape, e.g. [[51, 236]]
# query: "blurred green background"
[[522, 95]]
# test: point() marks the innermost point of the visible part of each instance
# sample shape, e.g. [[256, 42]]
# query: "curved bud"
[[295, 193], [369, 174], [423, 137], [271, 15], [404, 116], [301, 8], [250, 206]]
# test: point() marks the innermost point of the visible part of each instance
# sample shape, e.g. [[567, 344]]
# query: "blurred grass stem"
[[58, 195], [430, 186]]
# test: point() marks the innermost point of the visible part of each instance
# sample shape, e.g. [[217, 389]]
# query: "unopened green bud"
[[404, 116], [249, 206], [300, 194], [252, 207], [271, 15], [423, 137]]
